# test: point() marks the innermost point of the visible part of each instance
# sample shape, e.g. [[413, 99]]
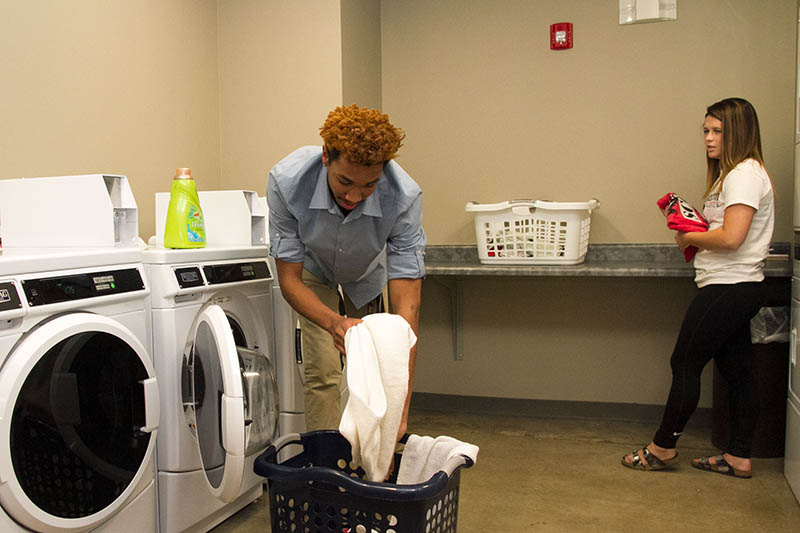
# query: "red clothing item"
[[682, 217]]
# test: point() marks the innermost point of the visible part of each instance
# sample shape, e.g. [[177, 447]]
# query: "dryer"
[[288, 355], [211, 310], [79, 400]]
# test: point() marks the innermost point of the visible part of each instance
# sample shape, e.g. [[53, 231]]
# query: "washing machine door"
[[230, 401], [78, 418]]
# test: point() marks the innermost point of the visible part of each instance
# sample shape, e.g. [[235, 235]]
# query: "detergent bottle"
[[185, 227]]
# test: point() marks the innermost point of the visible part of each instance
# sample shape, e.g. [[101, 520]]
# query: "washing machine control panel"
[[42, 291], [189, 277], [232, 272], [9, 297]]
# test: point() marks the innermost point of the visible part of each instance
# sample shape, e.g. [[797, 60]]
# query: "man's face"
[[351, 184]]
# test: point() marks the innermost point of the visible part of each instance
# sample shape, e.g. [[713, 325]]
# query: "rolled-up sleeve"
[[405, 250], [284, 242]]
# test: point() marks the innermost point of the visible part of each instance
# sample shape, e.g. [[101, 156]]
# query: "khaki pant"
[[322, 364]]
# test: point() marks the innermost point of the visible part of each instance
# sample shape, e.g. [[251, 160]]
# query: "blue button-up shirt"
[[381, 239]]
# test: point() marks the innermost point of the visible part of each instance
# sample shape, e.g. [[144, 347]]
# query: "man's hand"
[[338, 329], [304, 301]]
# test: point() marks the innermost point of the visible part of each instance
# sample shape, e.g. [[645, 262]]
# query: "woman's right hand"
[[680, 238]]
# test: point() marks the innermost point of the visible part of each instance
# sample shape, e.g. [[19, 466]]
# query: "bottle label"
[[195, 229]]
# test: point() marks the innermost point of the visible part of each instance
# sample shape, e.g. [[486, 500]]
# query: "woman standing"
[[729, 269]]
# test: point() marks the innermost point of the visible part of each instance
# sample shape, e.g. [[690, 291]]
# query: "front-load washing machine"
[[289, 363], [212, 348], [79, 400]]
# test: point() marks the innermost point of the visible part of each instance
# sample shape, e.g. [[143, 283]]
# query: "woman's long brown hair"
[[741, 139]]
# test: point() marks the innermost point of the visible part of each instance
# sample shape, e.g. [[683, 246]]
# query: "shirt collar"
[[372, 205], [323, 199]]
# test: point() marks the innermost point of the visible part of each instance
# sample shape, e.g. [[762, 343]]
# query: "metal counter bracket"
[[455, 287]]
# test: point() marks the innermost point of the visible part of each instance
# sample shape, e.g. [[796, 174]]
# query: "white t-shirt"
[[748, 184]]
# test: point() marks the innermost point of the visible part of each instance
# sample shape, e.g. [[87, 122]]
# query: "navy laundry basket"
[[318, 490]]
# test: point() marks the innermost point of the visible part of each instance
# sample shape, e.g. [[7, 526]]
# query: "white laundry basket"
[[532, 232]]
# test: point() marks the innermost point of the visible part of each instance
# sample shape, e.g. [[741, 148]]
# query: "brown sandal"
[[720, 467], [651, 462]]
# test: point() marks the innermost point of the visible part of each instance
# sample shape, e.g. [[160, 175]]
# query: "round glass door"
[[79, 432], [230, 399], [208, 388]]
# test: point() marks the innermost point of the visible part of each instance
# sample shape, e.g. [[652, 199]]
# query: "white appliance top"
[[166, 256], [28, 260]]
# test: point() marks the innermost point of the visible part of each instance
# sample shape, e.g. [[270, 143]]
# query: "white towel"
[[424, 456], [377, 378]]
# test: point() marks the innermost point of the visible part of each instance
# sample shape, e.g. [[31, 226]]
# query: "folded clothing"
[[682, 217], [424, 456]]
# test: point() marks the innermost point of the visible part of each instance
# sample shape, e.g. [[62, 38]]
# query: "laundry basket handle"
[[267, 465]]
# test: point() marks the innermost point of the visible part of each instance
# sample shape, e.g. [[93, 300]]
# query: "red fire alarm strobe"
[[561, 36]]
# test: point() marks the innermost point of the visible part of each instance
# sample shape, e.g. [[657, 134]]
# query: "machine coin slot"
[[189, 277]]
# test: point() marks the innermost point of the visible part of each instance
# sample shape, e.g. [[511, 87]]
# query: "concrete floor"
[[560, 475]]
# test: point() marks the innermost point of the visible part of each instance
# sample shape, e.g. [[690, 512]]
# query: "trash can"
[[771, 376]]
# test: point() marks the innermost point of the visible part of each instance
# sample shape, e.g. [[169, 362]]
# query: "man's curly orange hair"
[[364, 136]]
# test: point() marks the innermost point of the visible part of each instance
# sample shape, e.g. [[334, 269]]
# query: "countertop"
[[602, 260]]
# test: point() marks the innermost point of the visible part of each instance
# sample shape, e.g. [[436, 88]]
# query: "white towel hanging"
[[377, 378]]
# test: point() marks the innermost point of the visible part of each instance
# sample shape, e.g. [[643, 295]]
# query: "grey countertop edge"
[[602, 260]]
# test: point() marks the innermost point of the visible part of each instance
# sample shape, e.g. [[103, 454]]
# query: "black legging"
[[716, 325]]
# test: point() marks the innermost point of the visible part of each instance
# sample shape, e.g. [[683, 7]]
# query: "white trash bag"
[[771, 324]]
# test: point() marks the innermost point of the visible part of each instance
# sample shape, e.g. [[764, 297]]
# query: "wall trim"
[[628, 412]]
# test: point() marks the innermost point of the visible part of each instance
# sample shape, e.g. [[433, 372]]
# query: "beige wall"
[[140, 88], [123, 87], [283, 65], [571, 339], [493, 114], [229, 87], [361, 53], [280, 73]]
